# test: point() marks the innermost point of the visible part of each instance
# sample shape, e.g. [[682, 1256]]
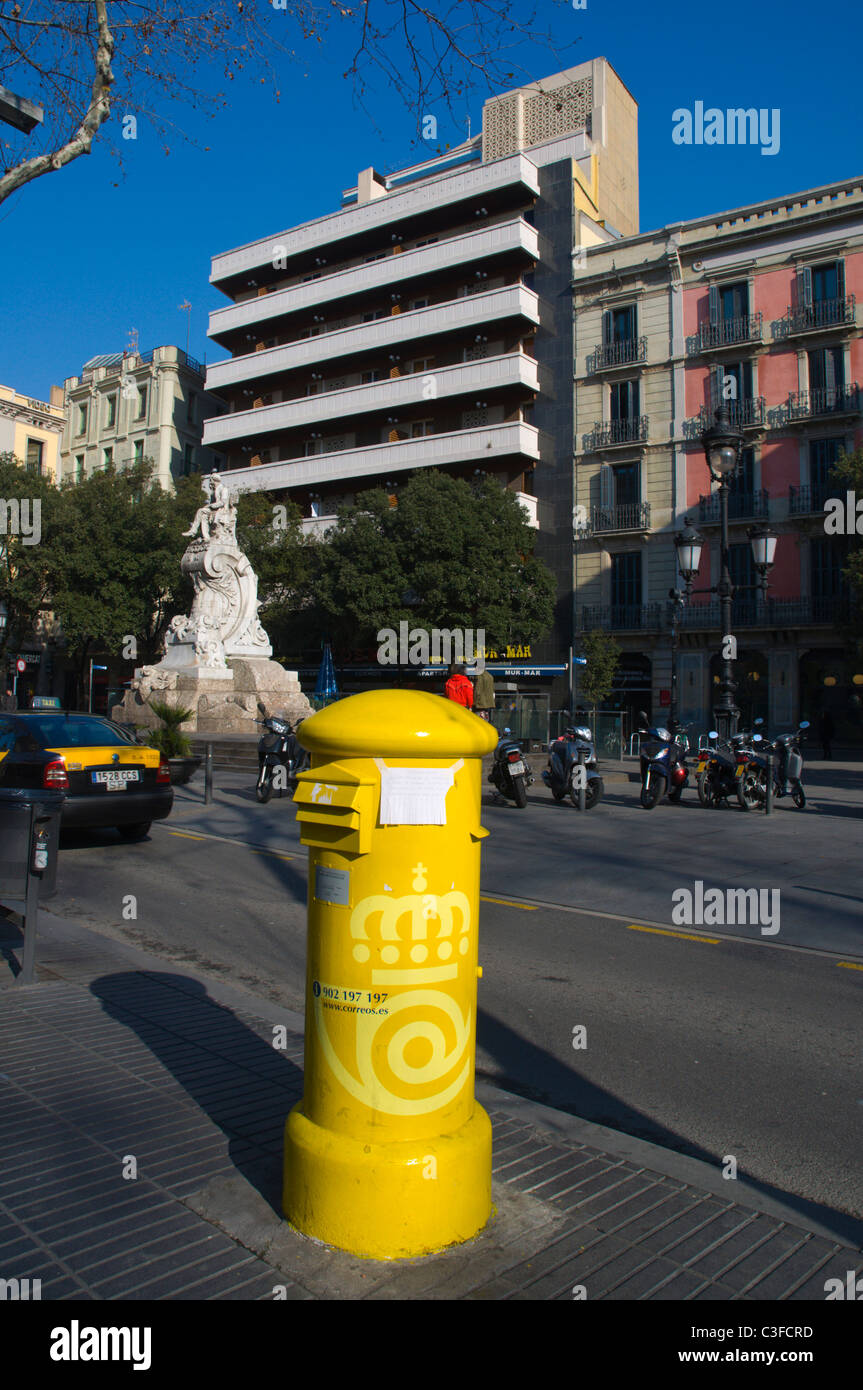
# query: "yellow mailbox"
[[388, 1153]]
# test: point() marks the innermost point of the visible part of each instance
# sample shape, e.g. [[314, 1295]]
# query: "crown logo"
[[412, 933]]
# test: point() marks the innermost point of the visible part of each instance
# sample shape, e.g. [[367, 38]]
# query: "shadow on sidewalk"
[[240, 1081], [531, 1072]]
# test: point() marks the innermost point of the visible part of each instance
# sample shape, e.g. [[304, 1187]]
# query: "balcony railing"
[[745, 329], [619, 354], [823, 313], [745, 612], [742, 506], [809, 500], [609, 433], [627, 516], [824, 400], [622, 617], [748, 413]]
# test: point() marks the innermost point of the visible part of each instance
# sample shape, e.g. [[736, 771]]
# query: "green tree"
[[603, 657], [449, 555], [28, 507]]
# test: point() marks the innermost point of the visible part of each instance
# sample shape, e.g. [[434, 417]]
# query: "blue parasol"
[[326, 688]]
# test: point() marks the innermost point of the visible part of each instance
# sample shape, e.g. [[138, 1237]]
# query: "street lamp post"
[[722, 446], [688, 545]]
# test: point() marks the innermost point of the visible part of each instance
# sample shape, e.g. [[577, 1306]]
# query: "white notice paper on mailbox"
[[415, 795]]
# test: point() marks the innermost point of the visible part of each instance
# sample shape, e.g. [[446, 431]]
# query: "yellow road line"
[[683, 936], [183, 835], [505, 902], [848, 965], [273, 853]]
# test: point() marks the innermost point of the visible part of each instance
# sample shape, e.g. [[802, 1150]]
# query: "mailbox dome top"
[[397, 723]]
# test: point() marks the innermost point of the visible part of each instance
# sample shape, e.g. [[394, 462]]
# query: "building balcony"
[[622, 354], [485, 445], [627, 516], [771, 613], [824, 401], [621, 617], [317, 526], [742, 506], [749, 413], [611, 434], [727, 333], [818, 316], [809, 499], [529, 504], [395, 268], [514, 370], [517, 172], [414, 328]]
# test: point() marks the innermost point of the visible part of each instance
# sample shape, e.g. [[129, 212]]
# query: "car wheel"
[[137, 831]]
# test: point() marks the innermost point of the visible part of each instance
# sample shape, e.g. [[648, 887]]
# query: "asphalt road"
[[725, 1042]]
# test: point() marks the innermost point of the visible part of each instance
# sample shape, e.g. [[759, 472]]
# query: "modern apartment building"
[[427, 322], [128, 406], [756, 307], [31, 429]]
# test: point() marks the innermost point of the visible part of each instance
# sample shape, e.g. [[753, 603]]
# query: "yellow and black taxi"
[[108, 778]]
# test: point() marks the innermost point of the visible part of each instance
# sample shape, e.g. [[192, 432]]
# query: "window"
[[626, 580], [378, 256], [426, 241], [619, 325], [35, 451], [827, 559], [421, 303], [625, 400], [138, 455], [189, 459], [627, 484], [190, 411], [419, 428], [729, 302], [107, 458], [110, 411], [79, 468], [142, 403], [821, 294], [823, 453], [370, 376], [826, 378], [743, 481], [82, 419], [421, 364], [731, 383], [372, 314]]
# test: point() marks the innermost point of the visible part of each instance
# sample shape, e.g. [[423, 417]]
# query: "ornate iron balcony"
[[809, 500], [824, 400], [748, 413], [608, 433], [622, 617], [822, 313], [742, 506], [617, 354], [745, 329], [747, 611], [627, 516]]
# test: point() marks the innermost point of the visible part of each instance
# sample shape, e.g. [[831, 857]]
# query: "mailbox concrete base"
[[387, 1201]]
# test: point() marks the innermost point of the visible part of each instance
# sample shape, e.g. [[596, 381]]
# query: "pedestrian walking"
[[826, 728], [458, 688], [483, 695], [9, 701]]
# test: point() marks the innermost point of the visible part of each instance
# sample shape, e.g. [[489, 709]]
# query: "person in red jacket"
[[458, 688]]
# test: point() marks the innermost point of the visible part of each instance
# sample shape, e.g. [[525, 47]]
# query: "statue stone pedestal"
[[217, 660]]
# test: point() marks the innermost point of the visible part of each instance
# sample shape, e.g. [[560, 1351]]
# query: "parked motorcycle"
[[716, 771], [787, 768], [574, 748], [279, 747], [663, 765], [509, 772]]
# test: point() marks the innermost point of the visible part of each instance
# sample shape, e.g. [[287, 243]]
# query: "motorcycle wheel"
[[519, 791], [594, 792], [750, 791], [264, 789], [649, 798], [798, 796], [558, 796], [704, 787], [675, 796]]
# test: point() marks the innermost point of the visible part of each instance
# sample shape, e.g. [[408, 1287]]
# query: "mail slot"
[[388, 1154]]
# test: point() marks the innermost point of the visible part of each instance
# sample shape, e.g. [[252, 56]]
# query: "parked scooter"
[[278, 748], [787, 767], [509, 772], [574, 747], [663, 765], [716, 771]]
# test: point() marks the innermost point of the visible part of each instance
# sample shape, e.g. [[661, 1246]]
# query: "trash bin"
[[29, 840], [388, 1155]]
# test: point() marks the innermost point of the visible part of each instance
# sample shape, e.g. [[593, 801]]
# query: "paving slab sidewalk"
[[140, 1158]]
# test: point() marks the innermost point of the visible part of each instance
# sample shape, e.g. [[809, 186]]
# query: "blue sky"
[[82, 262]]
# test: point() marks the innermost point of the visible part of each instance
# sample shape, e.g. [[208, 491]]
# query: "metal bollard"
[[582, 782], [768, 802], [208, 775], [388, 1155]]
